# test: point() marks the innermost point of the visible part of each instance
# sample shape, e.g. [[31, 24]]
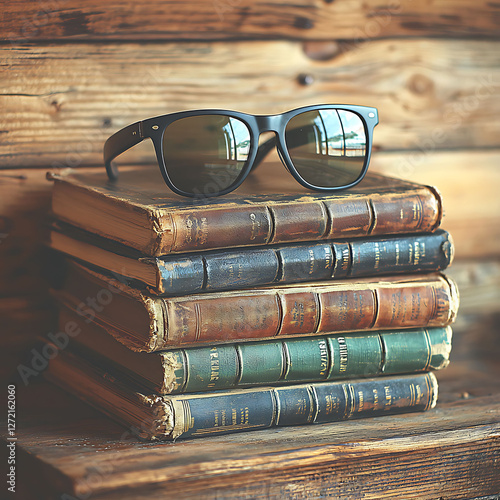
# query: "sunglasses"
[[208, 153]]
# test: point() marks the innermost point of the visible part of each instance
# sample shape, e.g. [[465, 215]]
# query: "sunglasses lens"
[[205, 154], [328, 147]]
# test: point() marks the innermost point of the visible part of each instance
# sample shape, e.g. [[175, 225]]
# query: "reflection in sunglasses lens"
[[205, 154], [327, 146]]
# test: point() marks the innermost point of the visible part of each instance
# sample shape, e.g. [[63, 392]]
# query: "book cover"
[[138, 210], [282, 361], [148, 323], [155, 417], [244, 267]]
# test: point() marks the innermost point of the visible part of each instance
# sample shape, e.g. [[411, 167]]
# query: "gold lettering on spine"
[[377, 255], [214, 366], [255, 228], [397, 253], [416, 302], [323, 353], [311, 261], [375, 399], [361, 401], [330, 402], [388, 397], [417, 253], [298, 313], [328, 257], [203, 230], [189, 230], [343, 354]]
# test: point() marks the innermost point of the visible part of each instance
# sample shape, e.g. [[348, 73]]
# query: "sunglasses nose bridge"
[[268, 123]]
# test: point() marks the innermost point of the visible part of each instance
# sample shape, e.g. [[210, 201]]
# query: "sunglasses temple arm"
[[118, 143]]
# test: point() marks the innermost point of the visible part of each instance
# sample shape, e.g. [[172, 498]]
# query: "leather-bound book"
[[229, 269], [289, 360], [155, 417], [148, 323], [139, 211]]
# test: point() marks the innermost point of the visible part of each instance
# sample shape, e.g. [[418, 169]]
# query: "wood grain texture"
[[228, 19], [60, 102], [23, 318], [469, 182], [449, 452], [25, 196]]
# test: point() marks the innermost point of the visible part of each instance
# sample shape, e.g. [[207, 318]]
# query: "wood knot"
[[305, 79], [303, 23], [420, 84], [321, 51]]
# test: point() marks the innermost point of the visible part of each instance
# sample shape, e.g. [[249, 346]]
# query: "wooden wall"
[[73, 72]]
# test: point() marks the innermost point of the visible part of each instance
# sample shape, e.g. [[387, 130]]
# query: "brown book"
[[270, 207], [149, 323], [280, 361]]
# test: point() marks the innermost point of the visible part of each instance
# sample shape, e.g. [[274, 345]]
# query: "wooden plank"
[[23, 318], [305, 19], [449, 452], [24, 205], [469, 182], [24, 211], [60, 102]]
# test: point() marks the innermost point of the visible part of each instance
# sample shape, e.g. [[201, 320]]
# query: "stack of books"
[[252, 310]]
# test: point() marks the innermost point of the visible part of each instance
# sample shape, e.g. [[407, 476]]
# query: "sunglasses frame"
[[154, 129]]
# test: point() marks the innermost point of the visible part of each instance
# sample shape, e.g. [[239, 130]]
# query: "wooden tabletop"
[[65, 447]]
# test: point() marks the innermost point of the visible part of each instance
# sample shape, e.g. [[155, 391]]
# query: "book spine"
[[309, 310], [417, 210], [226, 270], [227, 366], [215, 413]]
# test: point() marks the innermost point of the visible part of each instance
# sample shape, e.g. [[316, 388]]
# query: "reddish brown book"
[[147, 323], [270, 207]]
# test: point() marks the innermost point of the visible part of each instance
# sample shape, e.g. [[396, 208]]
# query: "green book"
[[156, 417], [277, 361]]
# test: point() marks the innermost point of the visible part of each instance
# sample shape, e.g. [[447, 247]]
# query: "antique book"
[[269, 208], [155, 417], [291, 360], [148, 323], [230, 269]]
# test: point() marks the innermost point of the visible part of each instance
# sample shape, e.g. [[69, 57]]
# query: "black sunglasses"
[[210, 152]]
